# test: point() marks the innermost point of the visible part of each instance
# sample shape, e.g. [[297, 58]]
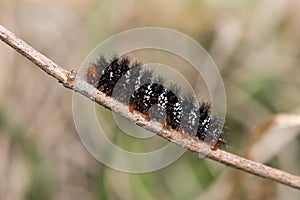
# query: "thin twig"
[[67, 79]]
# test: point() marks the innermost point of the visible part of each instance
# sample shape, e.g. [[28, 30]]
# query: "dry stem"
[[67, 79]]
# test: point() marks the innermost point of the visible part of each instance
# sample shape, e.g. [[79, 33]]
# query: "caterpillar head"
[[93, 76]]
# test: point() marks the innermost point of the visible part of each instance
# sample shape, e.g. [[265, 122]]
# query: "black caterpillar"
[[178, 113]]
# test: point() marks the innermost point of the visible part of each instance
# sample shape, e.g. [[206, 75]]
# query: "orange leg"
[[132, 107], [166, 125], [147, 116], [215, 145], [183, 133]]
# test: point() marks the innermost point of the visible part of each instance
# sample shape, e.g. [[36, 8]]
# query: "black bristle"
[[159, 80], [146, 76], [102, 63], [175, 88]]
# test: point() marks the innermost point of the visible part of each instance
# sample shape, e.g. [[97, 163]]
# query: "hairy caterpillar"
[[176, 112]]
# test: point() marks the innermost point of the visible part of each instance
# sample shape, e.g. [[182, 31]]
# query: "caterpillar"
[[172, 110]]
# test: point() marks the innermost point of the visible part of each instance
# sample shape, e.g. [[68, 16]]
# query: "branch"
[[67, 79]]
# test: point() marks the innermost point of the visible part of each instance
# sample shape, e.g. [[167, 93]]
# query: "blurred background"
[[255, 44]]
